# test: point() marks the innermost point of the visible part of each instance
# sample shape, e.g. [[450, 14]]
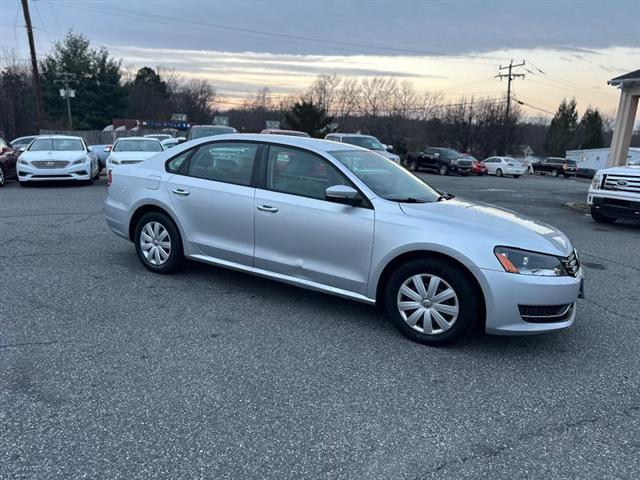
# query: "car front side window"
[[297, 172], [229, 162]]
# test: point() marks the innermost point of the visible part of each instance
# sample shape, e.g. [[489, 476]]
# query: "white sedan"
[[129, 150], [57, 157], [501, 166]]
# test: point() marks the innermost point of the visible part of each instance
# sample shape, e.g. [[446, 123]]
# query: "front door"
[[213, 198], [300, 234]]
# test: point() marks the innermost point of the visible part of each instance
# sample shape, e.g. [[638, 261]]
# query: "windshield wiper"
[[407, 200]]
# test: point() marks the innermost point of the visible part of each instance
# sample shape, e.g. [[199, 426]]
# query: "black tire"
[[554, 172], [516, 176], [600, 217], [468, 301], [464, 174], [3, 178], [176, 258], [414, 166], [443, 169], [23, 184], [499, 172]]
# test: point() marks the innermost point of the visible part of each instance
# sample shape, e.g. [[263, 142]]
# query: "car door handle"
[[267, 208], [181, 192]]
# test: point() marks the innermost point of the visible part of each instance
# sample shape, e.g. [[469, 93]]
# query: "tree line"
[[386, 107]]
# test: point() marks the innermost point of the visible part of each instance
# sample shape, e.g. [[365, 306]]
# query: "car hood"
[[628, 170], [52, 155], [131, 156], [500, 226]]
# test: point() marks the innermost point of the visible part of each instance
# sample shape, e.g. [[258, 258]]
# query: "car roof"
[[139, 138], [301, 142], [67, 137], [352, 134]]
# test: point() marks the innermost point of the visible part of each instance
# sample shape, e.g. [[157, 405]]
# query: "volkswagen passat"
[[57, 157], [344, 220]]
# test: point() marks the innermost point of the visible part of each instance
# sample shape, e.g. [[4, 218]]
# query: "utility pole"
[[67, 93], [34, 65], [510, 77]]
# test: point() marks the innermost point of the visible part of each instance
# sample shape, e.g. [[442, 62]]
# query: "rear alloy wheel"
[[413, 166], [158, 243], [499, 172], [554, 173], [600, 217], [444, 170], [431, 301]]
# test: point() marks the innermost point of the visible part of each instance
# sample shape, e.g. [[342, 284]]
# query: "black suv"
[[556, 166], [199, 131], [441, 160]]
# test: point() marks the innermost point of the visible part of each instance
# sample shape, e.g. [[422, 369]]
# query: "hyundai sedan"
[[131, 150], [57, 157], [341, 219]]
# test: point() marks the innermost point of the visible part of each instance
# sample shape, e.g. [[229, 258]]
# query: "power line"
[[149, 17]]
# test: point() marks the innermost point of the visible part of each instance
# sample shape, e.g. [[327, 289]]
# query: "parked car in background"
[[477, 167], [57, 157], [158, 136], [365, 141], [555, 166], [102, 152], [130, 150], [501, 166], [440, 160], [615, 193], [8, 160], [275, 131], [21, 143], [199, 131], [269, 205], [169, 142]]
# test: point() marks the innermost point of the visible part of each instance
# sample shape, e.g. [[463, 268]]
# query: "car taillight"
[[109, 178]]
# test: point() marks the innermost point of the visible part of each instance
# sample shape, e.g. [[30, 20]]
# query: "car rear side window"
[[230, 162], [179, 164], [297, 172]]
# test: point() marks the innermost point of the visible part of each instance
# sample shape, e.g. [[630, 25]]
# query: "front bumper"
[[29, 173], [618, 205], [507, 293]]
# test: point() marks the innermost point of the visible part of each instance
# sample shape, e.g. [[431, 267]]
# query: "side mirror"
[[389, 148], [343, 194], [181, 140], [22, 149]]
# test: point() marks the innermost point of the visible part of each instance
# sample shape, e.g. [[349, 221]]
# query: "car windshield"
[[570, 162], [466, 156], [448, 153], [370, 143], [200, 132], [137, 146], [385, 178], [57, 144]]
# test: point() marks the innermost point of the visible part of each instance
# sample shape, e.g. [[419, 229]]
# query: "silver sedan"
[[346, 221]]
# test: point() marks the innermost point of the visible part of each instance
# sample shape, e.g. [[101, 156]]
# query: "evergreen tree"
[[590, 131], [149, 96], [94, 76], [562, 130], [307, 117]]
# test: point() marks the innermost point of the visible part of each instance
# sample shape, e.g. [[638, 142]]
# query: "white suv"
[[615, 193]]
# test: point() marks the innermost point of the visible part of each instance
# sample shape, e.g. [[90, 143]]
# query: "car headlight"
[[524, 262], [595, 183], [113, 161], [22, 161], [454, 162], [80, 160]]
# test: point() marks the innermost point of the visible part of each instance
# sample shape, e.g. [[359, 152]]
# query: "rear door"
[[300, 234], [212, 195]]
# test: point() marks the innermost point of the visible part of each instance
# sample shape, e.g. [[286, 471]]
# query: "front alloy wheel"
[[444, 170], [427, 304], [432, 300]]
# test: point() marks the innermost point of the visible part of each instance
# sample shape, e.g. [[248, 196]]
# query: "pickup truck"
[[441, 160], [555, 166], [615, 193]]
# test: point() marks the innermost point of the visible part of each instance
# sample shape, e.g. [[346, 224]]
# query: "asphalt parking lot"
[[110, 371]]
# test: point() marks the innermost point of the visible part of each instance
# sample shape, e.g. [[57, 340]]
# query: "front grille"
[[128, 162], [622, 183], [571, 264], [545, 313], [464, 163], [49, 163]]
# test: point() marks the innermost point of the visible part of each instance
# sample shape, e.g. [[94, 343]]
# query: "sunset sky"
[[571, 48]]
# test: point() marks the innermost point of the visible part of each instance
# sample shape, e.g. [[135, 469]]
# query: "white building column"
[[623, 129]]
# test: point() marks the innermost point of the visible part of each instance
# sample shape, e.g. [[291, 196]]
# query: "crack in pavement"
[[491, 452], [609, 260], [613, 312]]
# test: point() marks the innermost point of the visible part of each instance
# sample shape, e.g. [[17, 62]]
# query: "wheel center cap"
[[155, 242], [426, 303]]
